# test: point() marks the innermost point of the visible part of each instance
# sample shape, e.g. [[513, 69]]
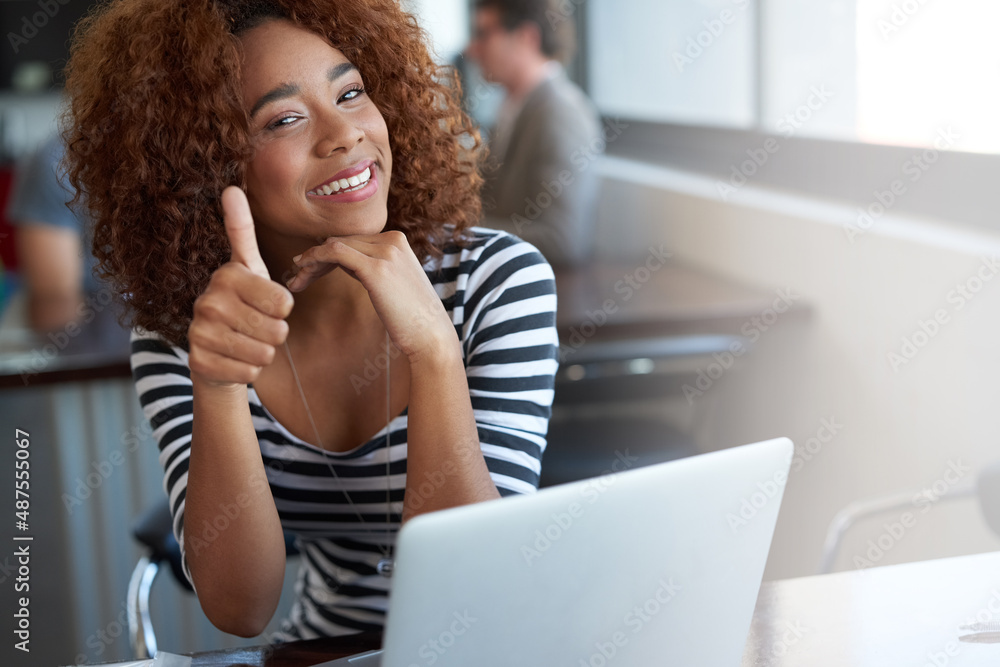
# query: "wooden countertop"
[[673, 299]]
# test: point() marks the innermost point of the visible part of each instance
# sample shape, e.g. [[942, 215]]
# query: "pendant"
[[385, 566]]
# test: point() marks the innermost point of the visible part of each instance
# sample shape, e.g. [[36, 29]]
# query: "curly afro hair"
[[155, 130]]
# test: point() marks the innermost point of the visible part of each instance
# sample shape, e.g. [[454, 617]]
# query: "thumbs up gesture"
[[239, 320]]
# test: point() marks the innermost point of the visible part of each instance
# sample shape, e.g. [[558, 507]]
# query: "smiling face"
[[322, 160]]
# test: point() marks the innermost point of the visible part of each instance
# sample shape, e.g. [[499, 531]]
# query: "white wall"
[[447, 23], [898, 429], [26, 121]]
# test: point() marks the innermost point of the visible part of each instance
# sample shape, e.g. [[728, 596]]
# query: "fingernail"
[[296, 258]]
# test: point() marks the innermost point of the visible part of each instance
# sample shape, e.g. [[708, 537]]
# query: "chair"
[[154, 530], [596, 384], [985, 487], [585, 448]]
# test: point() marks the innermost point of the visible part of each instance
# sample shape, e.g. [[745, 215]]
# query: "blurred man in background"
[[56, 264], [540, 183]]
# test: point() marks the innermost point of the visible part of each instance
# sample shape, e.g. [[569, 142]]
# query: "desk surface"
[[886, 617], [883, 616], [674, 299]]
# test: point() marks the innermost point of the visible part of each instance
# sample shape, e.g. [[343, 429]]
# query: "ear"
[[530, 34]]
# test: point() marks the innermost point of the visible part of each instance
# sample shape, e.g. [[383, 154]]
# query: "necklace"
[[385, 564]]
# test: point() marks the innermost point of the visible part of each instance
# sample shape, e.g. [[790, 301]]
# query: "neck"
[[528, 77], [333, 307]]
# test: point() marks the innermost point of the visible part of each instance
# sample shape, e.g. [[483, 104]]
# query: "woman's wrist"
[[445, 352], [217, 392]]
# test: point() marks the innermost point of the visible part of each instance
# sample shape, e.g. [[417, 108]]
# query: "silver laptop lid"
[[659, 565]]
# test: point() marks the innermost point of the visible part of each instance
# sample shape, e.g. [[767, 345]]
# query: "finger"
[[218, 368], [265, 296], [354, 254], [232, 345], [340, 246], [391, 237], [240, 230], [351, 255], [248, 319], [350, 252], [306, 276]]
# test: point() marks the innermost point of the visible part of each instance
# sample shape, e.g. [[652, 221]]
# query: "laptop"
[[656, 565]]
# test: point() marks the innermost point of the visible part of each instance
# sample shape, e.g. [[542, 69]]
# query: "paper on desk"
[[162, 659]]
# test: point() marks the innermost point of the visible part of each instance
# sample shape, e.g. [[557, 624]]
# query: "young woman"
[[283, 194]]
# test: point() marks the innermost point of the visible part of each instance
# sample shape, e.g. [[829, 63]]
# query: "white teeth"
[[354, 182]]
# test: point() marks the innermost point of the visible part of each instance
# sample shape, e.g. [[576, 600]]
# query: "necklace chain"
[[385, 565]]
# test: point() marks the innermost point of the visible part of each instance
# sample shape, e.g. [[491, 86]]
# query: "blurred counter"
[[653, 296], [95, 347]]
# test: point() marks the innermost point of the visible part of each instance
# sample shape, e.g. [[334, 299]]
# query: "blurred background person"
[[56, 264], [539, 184]]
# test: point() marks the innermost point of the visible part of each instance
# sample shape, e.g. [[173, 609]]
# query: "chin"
[[363, 227]]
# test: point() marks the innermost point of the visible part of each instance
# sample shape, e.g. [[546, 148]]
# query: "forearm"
[[53, 274], [445, 466], [232, 534]]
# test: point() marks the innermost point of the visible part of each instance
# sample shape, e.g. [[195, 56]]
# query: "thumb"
[[239, 229]]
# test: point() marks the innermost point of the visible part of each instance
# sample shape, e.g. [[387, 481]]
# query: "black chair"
[[591, 432], [154, 529], [585, 448]]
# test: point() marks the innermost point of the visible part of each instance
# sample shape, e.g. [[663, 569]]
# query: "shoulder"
[[40, 191], [141, 339], [162, 383], [151, 354], [493, 268], [560, 94], [483, 252], [560, 113], [44, 167]]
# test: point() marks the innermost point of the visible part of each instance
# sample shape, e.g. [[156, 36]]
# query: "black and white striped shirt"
[[500, 295]]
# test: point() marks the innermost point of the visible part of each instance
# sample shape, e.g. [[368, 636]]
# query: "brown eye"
[[353, 93], [280, 122]]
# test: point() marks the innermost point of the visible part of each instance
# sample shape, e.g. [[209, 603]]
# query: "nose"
[[337, 130]]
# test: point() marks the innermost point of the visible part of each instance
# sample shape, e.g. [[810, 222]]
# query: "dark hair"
[[245, 16], [156, 129], [554, 23]]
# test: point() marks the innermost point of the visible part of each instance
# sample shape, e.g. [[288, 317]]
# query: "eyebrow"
[[286, 90]]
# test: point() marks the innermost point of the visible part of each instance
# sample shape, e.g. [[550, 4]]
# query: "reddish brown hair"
[[156, 129]]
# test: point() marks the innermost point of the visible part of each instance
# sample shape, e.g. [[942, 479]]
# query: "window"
[[898, 72], [854, 91], [674, 61], [878, 71]]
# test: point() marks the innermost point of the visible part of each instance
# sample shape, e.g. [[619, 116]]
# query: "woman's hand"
[[398, 287], [240, 318]]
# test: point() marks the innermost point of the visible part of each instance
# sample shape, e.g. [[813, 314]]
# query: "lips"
[[347, 180]]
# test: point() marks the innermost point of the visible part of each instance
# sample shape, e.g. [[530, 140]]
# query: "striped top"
[[500, 295]]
